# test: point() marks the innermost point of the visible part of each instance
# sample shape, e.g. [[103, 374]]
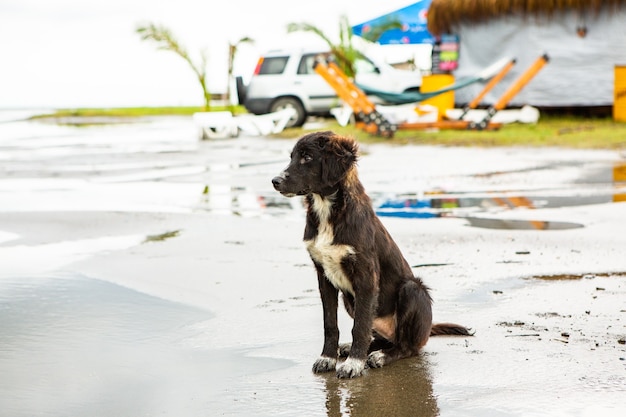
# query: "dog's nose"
[[276, 181]]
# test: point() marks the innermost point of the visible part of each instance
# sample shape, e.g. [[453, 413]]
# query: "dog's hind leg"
[[414, 318], [344, 349], [377, 343]]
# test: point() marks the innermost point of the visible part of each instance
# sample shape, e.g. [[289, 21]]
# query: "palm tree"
[[232, 52], [165, 41], [345, 52]]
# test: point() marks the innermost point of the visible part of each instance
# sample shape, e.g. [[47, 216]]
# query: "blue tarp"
[[407, 208], [413, 19]]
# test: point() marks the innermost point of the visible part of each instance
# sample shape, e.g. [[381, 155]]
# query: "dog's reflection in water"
[[401, 389]]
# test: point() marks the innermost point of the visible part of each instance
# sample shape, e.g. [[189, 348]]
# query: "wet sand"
[[143, 272]]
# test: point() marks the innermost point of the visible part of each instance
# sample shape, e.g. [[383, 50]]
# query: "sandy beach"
[[146, 272]]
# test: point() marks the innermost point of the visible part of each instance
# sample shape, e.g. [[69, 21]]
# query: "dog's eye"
[[306, 158]]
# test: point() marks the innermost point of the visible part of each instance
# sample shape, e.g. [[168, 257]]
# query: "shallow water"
[[72, 345], [159, 164], [78, 346]]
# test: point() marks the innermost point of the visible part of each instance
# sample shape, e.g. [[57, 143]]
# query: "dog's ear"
[[340, 154]]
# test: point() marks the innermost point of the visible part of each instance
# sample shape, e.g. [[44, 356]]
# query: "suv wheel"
[[290, 103]]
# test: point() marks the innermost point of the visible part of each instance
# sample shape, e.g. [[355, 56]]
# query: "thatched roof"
[[445, 15]]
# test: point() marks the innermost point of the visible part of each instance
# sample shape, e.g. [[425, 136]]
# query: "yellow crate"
[[443, 101], [619, 99], [619, 172], [619, 179]]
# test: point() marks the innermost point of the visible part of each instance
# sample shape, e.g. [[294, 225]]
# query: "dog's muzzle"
[[279, 185], [277, 181]]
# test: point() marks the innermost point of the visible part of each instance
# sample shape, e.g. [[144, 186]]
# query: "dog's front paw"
[[324, 364], [376, 359], [351, 368]]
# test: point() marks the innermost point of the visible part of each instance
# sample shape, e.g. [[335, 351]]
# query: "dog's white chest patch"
[[324, 252]]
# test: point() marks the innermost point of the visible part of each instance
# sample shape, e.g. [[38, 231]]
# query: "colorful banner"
[[413, 19]]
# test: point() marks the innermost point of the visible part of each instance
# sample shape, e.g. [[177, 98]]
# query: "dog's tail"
[[450, 329]]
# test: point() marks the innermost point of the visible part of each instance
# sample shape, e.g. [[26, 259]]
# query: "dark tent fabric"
[[414, 97]]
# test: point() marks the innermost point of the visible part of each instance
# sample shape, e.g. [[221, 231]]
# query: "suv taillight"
[[257, 70]]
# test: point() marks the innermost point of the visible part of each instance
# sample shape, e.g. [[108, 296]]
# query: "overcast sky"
[[77, 53]]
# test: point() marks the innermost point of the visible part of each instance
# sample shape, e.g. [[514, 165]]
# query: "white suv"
[[285, 79]]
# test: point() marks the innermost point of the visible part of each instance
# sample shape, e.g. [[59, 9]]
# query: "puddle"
[[244, 201], [77, 346], [401, 389], [17, 260], [161, 166], [439, 204], [508, 224], [606, 183], [568, 277], [5, 236], [409, 207]]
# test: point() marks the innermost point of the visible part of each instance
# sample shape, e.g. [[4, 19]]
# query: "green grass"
[[566, 131], [133, 112], [562, 131]]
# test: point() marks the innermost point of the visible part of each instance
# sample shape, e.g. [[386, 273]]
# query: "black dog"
[[353, 253]]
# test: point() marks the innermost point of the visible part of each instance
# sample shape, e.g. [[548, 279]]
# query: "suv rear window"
[[273, 65], [307, 63]]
